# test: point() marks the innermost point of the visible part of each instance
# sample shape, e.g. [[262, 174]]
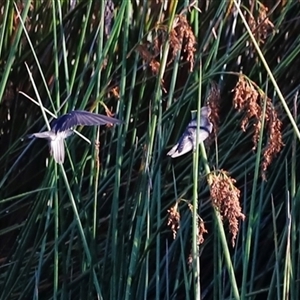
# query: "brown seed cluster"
[[174, 219], [246, 98], [148, 57], [213, 101], [275, 143], [225, 197], [249, 99], [201, 230], [181, 38], [200, 225], [115, 91], [174, 222], [261, 26]]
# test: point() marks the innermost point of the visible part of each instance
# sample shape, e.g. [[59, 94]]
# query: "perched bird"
[[187, 141], [62, 128]]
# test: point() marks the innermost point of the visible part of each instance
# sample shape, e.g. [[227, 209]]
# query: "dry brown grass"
[[225, 196], [259, 22], [181, 38], [249, 99], [213, 101]]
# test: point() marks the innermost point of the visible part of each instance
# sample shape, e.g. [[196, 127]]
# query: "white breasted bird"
[[62, 128], [187, 141]]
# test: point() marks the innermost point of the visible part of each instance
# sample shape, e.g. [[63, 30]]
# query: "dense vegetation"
[[120, 219]]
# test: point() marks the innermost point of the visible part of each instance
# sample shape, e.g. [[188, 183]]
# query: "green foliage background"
[[96, 227]]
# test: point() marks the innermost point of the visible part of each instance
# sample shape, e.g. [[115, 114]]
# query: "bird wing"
[[187, 141], [57, 150], [81, 117], [181, 148]]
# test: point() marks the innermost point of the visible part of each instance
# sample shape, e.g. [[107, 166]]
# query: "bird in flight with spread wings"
[[187, 141], [63, 127]]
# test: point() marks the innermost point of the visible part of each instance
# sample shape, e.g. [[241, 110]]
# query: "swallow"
[[63, 127], [187, 141]]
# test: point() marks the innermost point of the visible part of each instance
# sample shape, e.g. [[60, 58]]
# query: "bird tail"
[[57, 150], [41, 135]]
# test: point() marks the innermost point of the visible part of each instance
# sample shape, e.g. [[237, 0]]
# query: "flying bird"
[[187, 141], [63, 127]]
